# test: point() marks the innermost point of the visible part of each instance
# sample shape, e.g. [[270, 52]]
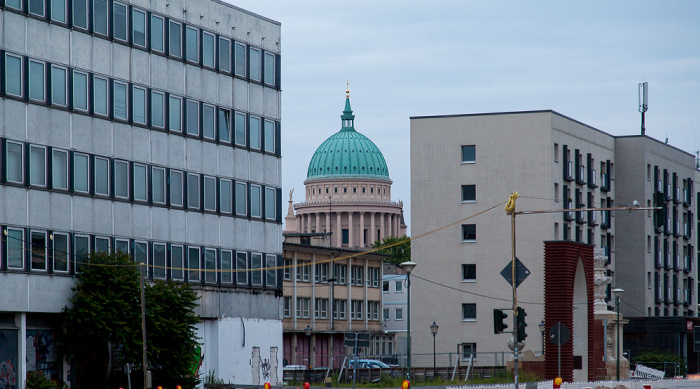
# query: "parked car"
[[368, 364]]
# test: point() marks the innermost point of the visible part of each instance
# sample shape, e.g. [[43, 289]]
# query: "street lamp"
[[618, 292], [408, 268], [433, 330], [541, 325], [307, 331]]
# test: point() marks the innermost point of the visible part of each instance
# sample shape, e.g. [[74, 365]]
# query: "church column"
[[317, 227], [397, 225], [363, 242], [372, 229], [382, 231], [350, 230], [328, 222], [338, 231]]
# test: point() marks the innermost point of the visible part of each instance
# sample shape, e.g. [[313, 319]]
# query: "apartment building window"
[[36, 81], [225, 199], [59, 169], [175, 39], [255, 64], [356, 308], [138, 97], [321, 308], [469, 312], [339, 273], [398, 286], [469, 272], [302, 271], [468, 193], [287, 273], [100, 17], [357, 275], [385, 286], [373, 310], [303, 307], [193, 258], [241, 268], [339, 309], [373, 275], [287, 306], [385, 314], [176, 188], [468, 232], [177, 262], [321, 272], [468, 351], [398, 314], [59, 94], [241, 198], [469, 154], [240, 59], [13, 75]]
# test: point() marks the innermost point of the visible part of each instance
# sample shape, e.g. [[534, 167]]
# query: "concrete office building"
[[462, 165], [151, 128]]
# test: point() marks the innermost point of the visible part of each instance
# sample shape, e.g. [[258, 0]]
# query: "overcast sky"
[[412, 58]]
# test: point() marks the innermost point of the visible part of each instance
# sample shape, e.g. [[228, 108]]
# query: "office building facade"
[[152, 128]]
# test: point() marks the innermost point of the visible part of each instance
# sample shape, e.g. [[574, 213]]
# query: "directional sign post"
[[559, 334], [521, 272]]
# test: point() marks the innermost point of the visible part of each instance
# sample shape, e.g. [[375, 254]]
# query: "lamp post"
[[307, 331], [541, 325], [408, 268], [434, 330], [618, 292]]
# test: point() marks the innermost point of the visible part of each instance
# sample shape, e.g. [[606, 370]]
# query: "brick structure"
[[561, 259]]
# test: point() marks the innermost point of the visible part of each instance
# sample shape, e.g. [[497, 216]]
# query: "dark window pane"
[[193, 264], [158, 186], [469, 153], [224, 55], [175, 114], [100, 102], [210, 193], [36, 81], [175, 45], [210, 265], [60, 252], [157, 109], [208, 121], [240, 59], [121, 179], [254, 133], [176, 262], [36, 7], [140, 185], [80, 173], [193, 118], [139, 27], [176, 188], [159, 261], [468, 231], [224, 125], [58, 10], [192, 191], [120, 101], [225, 196], [269, 69], [58, 86], [192, 44], [468, 192], [207, 49], [119, 22], [100, 18], [157, 34], [80, 13], [269, 136], [239, 123], [139, 105], [102, 176], [80, 91]]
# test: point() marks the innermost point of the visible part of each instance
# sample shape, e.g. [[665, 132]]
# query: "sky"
[[417, 58]]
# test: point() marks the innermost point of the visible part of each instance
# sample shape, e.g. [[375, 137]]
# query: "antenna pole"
[[643, 101]]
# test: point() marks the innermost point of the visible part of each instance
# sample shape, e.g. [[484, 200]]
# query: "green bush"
[[667, 362]]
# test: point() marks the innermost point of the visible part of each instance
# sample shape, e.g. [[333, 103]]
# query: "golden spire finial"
[[347, 90]]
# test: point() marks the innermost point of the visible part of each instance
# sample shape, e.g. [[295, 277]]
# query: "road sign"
[[359, 339], [521, 272], [559, 334]]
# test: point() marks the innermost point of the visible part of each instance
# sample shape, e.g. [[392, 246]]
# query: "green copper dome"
[[347, 154]]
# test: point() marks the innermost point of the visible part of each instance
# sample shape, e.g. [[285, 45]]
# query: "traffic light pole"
[[510, 208]]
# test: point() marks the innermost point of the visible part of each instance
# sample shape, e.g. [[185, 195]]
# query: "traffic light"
[[521, 324], [499, 323]]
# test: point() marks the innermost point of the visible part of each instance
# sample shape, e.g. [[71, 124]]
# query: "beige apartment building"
[[463, 167]]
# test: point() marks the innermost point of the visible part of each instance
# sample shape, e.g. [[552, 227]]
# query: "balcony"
[[569, 215], [686, 264], [592, 219], [604, 182], [592, 178], [686, 197], [569, 170], [581, 176], [605, 219]]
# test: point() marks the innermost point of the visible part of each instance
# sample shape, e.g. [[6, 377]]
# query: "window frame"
[[180, 100], [465, 199], [13, 246], [60, 254], [105, 240], [153, 178], [65, 12], [213, 48], [191, 190], [145, 182], [197, 48], [194, 274], [127, 26], [79, 261], [21, 163], [273, 193], [219, 55], [34, 254], [226, 120], [94, 94], [239, 118], [170, 181], [192, 106], [160, 267], [241, 273], [223, 182], [153, 112], [41, 15], [44, 181], [253, 202], [124, 85], [205, 180], [20, 79], [85, 21], [107, 177], [256, 269], [121, 192], [252, 62], [466, 307], [467, 269], [66, 166], [180, 275], [150, 27], [180, 54], [21, 6], [240, 61], [241, 188], [87, 90], [271, 270], [88, 172], [226, 271], [466, 234], [119, 242], [254, 141], [269, 145], [204, 126], [143, 90], [107, 19], [134, 12], [265, 56], [210, 274], [465, 158], [43, 81]]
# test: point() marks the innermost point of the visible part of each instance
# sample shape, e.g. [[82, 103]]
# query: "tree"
[[398, 248], [102, 328]]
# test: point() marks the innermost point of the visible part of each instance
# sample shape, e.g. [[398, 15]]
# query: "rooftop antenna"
[[643, 101], [697, 160]]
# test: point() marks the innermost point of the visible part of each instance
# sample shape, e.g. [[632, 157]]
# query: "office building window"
[[241, 199], [141, 252], [287, 274], [157, 109], [80, 91], [158, 185], [254, 133], [191, 44], [255, 201], [468, 193], [226, 266], [321, 308], [100, 17], [339, 273], [157, 35], [241, 268], [102, 244], [36, 7], [158, 258], [356, 308], [240, 60], [119, 22], [13, 75], [469, 312], [120, 100], [469, 153], [192, 118], [287, 306], [59, 94], [59, 169], [38, 250], [193, 263], [175, 113], [208, 121], [81, 248], [61, 252], [209, 193], [176, 191], [271, 270], [121, 179], [269, 66], [224, 55], [80, 13], [177, 263], [270, 203], [339, 309], [15, 248], [208, 49], [468, 232], [16, 4], [255, 68], [138, 103], [224, 125], [225, 189], [303, 307], [469, 272], [269, 136], [58, 11], [37, 166], [36, 81], [175, 39], [210, 265], [100, 95], [193, 191], [140, 182], [138, 27], [240, 132], [101, 176], [81, 173]]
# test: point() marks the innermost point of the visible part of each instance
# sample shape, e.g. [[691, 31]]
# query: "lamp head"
[[307, 330], [434, 328], [618, 292], [408, 266]]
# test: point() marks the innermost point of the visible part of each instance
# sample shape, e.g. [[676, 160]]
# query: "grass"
[[387, 381]]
